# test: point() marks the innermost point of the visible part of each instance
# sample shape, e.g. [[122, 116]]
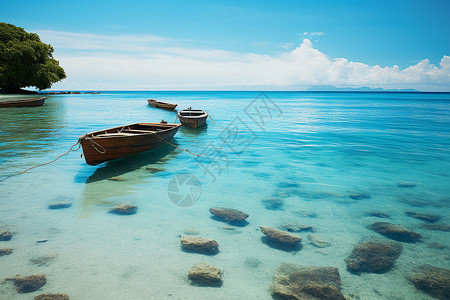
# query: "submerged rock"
[[229, 214], [59, 205], [359, 196], [191, 232], [200, 245], [315, 240], [305, 214], [273, 203], [117, 178], [6, 235], [436, 245], [395, 232], [228, 229], [205, 275], [431, 218], [406, 184], [295, 282], [49, 296], [123, 209], [252, 262], [418, 202], [373, 257], [432, 280], [61, 202], [378, 214], [154, 170], [28, 284], [42, 260], [295, 226], [439, 227], [5, 251], [280, 236]]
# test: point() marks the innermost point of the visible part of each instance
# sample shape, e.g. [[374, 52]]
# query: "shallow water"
[[312, 150]]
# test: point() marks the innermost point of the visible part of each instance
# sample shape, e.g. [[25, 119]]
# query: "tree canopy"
[[25, 61]]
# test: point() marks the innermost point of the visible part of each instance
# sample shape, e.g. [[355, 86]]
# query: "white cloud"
[[151, 62]]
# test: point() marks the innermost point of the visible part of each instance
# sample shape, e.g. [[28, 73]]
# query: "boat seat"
[[138, 131], [113, 134]]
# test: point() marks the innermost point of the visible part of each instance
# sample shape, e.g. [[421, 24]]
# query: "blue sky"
[[232, 44]]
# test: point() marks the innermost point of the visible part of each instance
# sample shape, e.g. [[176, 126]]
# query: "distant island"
[[330, 88]]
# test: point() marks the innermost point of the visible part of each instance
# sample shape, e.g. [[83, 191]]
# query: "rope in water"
[[186, 150], [47, 163], [235, 131], [100, 149]]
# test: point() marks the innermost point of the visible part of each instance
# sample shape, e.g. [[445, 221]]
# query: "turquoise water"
[[311, 150]]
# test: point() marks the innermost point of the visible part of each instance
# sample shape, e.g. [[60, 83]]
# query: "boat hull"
[[163, 105], [23, 102], [98, 149], [192, 118]]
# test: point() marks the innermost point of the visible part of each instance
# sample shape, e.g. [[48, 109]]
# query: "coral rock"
[[424, 217], [229, 214], [205, 275], [5, 251], [52, 297], [395, 232], [273, 203], [373, 257], [432, 280], [123, 209], [198, 244], [378, 214], [280, 236], [440, 227], [359, 196], [295, 282], [6, 235], [315, 240], [295, 226], [28, 284]]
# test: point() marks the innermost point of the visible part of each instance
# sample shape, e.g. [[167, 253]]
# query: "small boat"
[[23, 102], [121, 141], [192, 117], [159, 104]]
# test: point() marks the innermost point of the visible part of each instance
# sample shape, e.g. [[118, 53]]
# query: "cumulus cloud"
[[151, 62]]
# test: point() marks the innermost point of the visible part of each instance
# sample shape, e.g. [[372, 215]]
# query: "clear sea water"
[[311, 150]]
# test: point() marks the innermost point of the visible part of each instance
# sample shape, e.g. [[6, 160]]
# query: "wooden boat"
[[192, 117], [159, 104], [121, 141], [23, 102]]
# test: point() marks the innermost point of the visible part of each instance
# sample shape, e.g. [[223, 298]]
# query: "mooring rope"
[[186, 150], [100, 149], [234, 131], [95, 145], [47, 163]]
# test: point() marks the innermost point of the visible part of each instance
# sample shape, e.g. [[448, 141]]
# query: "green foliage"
[[26, 61]]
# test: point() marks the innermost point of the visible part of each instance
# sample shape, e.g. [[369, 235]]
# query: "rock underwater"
[[395, 232], [373, 257], [204, 274], [296, 282], [433, 281], [200, 245]]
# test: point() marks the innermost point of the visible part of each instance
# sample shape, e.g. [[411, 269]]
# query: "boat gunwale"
[[92, 135], [20, 101], [203, 114]]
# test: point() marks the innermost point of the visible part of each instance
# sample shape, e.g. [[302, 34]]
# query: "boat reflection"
[[189, 131], [116, 179]]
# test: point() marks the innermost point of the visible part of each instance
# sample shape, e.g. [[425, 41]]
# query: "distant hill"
[[330, 88]]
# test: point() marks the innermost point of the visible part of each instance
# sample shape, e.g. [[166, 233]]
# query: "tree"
[[25, 61]]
